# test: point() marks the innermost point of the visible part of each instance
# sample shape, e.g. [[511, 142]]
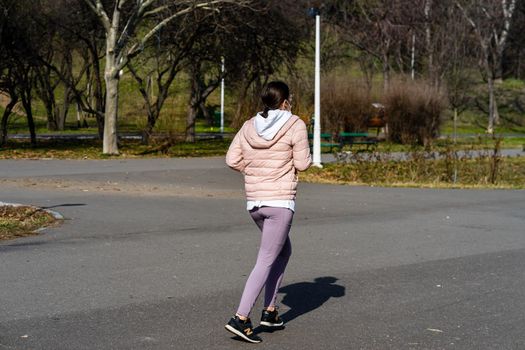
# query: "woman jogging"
[[269, 150]]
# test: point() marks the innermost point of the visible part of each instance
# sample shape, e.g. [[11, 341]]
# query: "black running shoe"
[[271, 319], [243, 329]]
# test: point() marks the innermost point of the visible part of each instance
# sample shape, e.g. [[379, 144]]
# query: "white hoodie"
[[268, 127]]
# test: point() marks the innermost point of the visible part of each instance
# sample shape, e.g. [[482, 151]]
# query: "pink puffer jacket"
[[270, 167]]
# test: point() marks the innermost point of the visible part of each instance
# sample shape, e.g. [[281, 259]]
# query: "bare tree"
[[121, 20], [8, 87], [72, 35], [255, 54], [454, 58], [514, 55], [444, 35], [80, 31], [490, 21], [250, 53], [158, 66], [378, 27], [7, 83], [200, 89], [20, 44]]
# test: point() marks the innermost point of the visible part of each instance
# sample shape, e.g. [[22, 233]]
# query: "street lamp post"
[[316, 161], [222, 95]]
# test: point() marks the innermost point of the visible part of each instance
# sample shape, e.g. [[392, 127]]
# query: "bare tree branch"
[[138, 46], [98, 8]]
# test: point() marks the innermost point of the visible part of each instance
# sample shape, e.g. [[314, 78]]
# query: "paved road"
[[372, 268]]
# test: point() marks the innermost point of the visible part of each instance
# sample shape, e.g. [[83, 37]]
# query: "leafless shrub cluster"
[[413, 110], [345, 104]]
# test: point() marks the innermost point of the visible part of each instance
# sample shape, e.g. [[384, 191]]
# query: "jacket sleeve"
[[301, 149], [234, 157]]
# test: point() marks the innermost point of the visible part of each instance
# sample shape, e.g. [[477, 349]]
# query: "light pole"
[[413, 60], [222, 95], [316, 161]]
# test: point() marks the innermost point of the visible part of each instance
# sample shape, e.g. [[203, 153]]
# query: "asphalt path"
[[159, 260]]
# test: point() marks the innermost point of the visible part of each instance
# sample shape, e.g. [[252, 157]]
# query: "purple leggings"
[[274, 252]]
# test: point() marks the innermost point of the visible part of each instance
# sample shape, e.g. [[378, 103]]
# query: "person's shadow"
[[304, 297]]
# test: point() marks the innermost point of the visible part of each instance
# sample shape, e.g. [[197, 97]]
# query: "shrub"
[[345, 105], [413, 110]]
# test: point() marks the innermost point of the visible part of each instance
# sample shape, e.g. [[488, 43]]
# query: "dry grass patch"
[[92, 149], [22, 221], [426, 173]]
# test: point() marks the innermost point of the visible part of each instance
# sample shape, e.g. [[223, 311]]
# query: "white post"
[[222, 95], [317, 102], [455, 150], [78, 116], [413, 61]]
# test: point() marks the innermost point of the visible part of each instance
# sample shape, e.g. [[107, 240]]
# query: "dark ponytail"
[[265, 112], [273, 95]]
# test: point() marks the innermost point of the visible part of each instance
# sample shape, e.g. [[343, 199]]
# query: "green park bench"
[[356, 138], [344, 139], [327, 141]]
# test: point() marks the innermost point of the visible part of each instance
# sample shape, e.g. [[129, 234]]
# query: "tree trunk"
[[239, 118], [45, 91], [240, 103], [110, 145], [146, 134], [490, 73], [62, 114], [386, 73], [5, 117], [153, 104], [152, 119], [51, 118], [111, 75], [428, 41], [100, 126], [31, 124], [193, 110], [98, 95], [26, 102], [493, 107], [193, 107], [207, 115], [198, 98], [412, 58], [498, 66]]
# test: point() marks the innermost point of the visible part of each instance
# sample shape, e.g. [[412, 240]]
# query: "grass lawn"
[[18, 125], [470, 125], [92, 149]]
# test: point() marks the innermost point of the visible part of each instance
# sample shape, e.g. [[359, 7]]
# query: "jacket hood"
[[273, 129], [268, 127]]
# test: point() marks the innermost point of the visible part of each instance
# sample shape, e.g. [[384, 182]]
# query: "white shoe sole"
[[240, 334], [269, 324]]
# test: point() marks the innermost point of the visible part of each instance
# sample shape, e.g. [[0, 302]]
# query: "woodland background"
[[153, 66]]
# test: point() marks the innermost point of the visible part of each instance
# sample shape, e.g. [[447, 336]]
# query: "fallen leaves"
[[21, 221]]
